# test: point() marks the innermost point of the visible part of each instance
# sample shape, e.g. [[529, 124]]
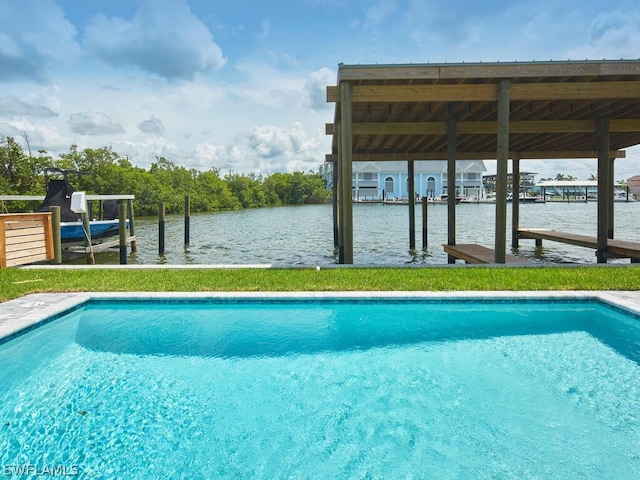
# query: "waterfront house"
[[377, 181]]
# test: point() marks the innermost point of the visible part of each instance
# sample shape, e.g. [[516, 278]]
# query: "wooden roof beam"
[[488, 92], [523, 155], [487, 127], [438, 156]]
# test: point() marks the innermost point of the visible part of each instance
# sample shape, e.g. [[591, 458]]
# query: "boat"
[[524, 198], [444, 199], [620, 195], [59, 194]]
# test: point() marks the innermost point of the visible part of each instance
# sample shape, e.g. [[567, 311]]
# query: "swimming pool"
[[326, 386]]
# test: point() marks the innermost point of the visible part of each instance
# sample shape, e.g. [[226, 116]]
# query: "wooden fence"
[[25, 238]]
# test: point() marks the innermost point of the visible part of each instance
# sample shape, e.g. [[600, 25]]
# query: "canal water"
[[303, 235]]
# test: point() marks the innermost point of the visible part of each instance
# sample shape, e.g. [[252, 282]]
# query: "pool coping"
[[25, 313]]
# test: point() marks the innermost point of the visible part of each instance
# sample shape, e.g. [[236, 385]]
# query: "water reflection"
[[303, 236]]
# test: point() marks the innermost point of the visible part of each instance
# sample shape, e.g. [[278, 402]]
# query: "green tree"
[[20, 174], [248, 191], [213, 193]]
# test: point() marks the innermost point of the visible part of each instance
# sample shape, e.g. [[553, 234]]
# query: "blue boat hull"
[[73, 231]]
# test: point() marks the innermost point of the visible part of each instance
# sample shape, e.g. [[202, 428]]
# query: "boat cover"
[[59, 194]]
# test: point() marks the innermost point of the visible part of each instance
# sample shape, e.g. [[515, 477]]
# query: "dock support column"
[[132, 228], [611, 201], [412, 205], [334, 192], [515, 200], [451, 184], [161, 227], [425, 220], [187, 219], [502, 157], [122, 232], [55, 230], [604, 189], [88, 246], [345, 254]]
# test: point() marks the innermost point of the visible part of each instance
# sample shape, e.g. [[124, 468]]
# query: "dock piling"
[[57, 241], [412, 205], [187, 218], [425, 227], [161, 226], [88, 245], [132, 231], [122, 233]]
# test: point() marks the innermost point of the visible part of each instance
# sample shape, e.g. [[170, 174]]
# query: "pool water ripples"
[[477, 400]]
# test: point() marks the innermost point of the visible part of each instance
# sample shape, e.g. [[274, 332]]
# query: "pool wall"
[[23, 314]]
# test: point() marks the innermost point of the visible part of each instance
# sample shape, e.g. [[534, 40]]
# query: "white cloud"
[[164, 38], [316, 88], [208, 156], [12, 106], [144, 153], [612, 34], [266, 28], [42, 136], [35, 35], [152, 126], [93, 123], [280, 149], [379, 11]]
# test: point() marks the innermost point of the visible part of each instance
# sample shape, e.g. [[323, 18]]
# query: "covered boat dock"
[[483, 111]]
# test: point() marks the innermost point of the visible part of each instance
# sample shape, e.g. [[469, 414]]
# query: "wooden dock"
[[615, 248], [19, 249], [473, 253]]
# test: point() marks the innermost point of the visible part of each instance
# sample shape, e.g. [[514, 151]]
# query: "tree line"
[[22, 173]]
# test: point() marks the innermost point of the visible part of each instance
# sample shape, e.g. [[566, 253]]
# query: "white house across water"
[[377, 181]]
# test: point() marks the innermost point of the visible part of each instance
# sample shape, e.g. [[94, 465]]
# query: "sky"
[[240, 85]]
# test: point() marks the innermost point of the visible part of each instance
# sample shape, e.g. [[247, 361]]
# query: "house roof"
[[401, 112], [420, 167]]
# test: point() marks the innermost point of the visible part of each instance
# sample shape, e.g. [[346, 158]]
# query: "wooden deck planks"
[[615, 248], [25, 238], [473, 253], [555, 236]]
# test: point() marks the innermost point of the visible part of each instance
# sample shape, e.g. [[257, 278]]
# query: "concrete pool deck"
[[27, 312]]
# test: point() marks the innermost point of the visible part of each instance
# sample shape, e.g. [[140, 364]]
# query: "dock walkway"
[[473, 253], [615, 248]]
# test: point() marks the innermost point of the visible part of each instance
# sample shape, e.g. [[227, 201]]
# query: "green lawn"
[[17, 282]]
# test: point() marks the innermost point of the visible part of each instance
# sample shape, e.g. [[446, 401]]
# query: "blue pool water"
[[326, 389]]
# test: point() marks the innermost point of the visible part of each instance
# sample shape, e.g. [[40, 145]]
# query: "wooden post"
[[161, 225], [451, 184], [88, 246], [3, 245], [412, 205], [604, 194], [610, 163], [187, 218], [334, 191], [57, 241], [346, 173], [132, 229], [515, 201], [425, 226], [122, 232], [502, 157]]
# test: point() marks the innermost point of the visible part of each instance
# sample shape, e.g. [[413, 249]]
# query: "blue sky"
[[240, 85]]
